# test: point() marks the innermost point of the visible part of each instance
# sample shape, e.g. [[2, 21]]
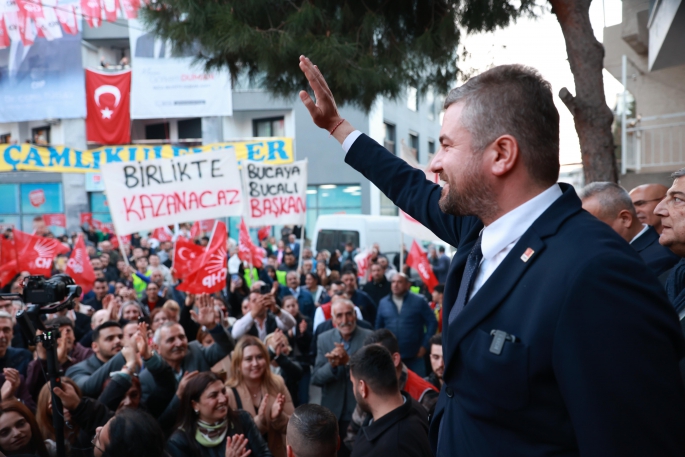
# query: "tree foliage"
[[366, 48]]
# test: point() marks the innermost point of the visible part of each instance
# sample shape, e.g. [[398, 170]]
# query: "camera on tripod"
[[46, 296]]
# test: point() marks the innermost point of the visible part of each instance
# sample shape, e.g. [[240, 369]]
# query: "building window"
[[20, 204], [157, 131], [190, 129], [99, 207], [388, 208], [41, 136], [389, 139], [332, 199], [274, 126], [414, 144], [431, 147], [412, 98], [6, 138]]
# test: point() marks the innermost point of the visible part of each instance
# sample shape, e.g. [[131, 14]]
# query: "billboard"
[[165, 84], [43, 80]]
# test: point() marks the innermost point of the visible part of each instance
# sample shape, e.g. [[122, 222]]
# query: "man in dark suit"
[[379, 286], [551, 321], [611, 204], [304, 297], [360, 299]]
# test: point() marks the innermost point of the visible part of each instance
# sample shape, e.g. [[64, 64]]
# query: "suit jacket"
[[16, 358], [377, 290], [337, 394], [592, 324], [304, 300], [657, 257], [413, 326], [81, 326]]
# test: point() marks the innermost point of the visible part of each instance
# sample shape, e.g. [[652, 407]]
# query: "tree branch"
[[568, 99]]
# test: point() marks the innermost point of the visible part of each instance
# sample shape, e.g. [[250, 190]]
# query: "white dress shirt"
[[501, 236], [284, 321], [645, 227]]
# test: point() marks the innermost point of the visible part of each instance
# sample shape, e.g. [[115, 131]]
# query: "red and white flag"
[[66, 15], [247, 251], [108, 119], [48, 26], [4, 35], [36, 253], [55, 220], [90, 10], [185, 254], [31, 9], [110, 7], [363, 261], [418, 260], [79, 266], [162, 234], [200, 227], [130, 8], [210, 271], [8, 261], [264, 232], [87, 219]]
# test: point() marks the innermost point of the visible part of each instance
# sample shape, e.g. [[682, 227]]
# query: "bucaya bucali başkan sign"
[[275, 194], [154, 193]]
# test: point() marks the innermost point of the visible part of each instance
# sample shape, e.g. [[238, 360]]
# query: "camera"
[[40, 291]]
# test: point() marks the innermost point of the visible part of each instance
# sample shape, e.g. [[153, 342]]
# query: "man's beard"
[[363, 405], [474, 198]]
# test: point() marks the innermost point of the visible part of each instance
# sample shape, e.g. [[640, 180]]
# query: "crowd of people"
[[227, 373]]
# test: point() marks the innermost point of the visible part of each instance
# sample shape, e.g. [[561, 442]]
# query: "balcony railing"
[[654, 143]]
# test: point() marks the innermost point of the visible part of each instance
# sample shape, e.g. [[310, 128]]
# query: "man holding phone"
[[265, 315]]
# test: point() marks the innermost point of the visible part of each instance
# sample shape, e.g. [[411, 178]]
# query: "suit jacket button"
[[449, 392]]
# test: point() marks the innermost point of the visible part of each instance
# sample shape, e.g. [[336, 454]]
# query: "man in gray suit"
[[333, 350], [163, 385]]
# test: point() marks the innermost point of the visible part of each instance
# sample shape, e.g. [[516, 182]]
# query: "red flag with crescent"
[[185, 254], [210, 270], [108, 119], [418, 260], [79, 266], [36, 253]]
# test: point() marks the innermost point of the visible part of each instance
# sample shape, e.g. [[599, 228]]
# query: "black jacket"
[[657, 257], [178, 445], [402, 432], [377, 290]]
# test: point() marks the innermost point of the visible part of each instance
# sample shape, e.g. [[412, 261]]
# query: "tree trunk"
[[591, 115]]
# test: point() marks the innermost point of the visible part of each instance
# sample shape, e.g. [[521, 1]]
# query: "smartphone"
[[234, 277], [265, 289], [141, 319]]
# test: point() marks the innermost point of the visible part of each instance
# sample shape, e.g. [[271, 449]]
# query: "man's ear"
[[506, 154], [626, 217], [396, 359]]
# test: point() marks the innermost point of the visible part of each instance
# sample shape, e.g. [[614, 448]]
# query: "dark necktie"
[[470, 271]]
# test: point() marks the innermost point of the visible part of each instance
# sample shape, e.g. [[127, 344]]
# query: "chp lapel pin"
[[527, 255]]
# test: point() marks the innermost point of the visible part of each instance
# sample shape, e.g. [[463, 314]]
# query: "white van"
[[333, 231]]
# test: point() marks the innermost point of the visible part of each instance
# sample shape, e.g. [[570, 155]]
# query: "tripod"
[[29, 320]]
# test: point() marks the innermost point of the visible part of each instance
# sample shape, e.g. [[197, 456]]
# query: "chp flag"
[[418, 260], [210, 270], [247, 251], [8, 261], [108, 101], [275, 194], [79, 266], [36, 253], [153, 193], [409, 225]]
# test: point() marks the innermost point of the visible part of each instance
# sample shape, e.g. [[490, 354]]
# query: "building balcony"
[[654, 144]]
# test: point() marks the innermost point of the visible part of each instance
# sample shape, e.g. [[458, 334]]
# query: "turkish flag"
[[56, 220], [8, 261], [79, 266], [264, 232], [247, 251], [108, 119], [418, 260], [209, 274], [35, 253], [185, 254], [90, 10], [162, 234]]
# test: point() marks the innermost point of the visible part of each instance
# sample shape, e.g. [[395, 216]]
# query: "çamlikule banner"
[[275, 194], [61, 159], [42, 80], [155, 193], [166, 84]]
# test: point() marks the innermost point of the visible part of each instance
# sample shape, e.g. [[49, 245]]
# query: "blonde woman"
[[256, 390]]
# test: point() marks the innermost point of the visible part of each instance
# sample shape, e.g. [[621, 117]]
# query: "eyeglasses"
[[644, 202], [95, 440]]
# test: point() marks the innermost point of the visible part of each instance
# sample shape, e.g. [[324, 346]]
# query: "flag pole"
[[401, 251], [123, 252], [299, 262]]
